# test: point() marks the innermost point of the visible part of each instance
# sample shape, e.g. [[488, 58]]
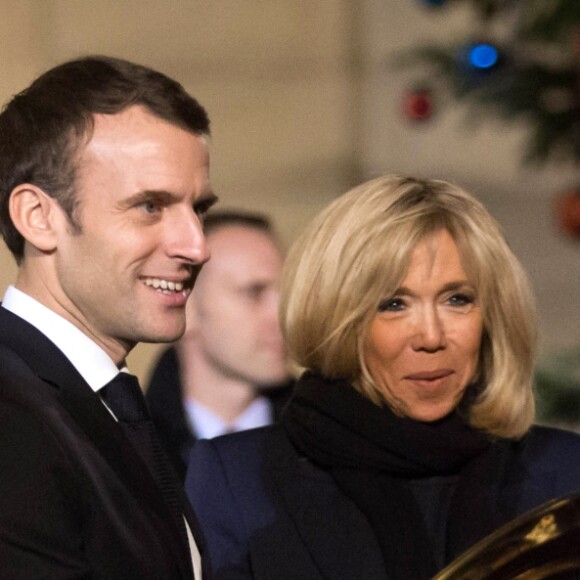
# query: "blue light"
[[483, 56]]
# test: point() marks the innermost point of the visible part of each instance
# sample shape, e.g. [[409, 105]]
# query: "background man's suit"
[[165, 399], [93, 509]]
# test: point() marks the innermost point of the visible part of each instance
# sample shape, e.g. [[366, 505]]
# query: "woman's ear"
[[34, 215]]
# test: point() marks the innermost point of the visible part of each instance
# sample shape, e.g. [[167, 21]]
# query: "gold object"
[[536, 545], [544, 530]]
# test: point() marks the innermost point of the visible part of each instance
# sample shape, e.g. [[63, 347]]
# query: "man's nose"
[[186, 240]]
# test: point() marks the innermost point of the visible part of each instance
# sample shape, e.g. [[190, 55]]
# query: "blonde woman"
[[410, 434]]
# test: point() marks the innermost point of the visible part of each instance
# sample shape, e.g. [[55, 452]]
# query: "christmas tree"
[[523, 65], [529, 69]]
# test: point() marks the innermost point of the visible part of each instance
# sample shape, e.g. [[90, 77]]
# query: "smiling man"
[[104, 181]]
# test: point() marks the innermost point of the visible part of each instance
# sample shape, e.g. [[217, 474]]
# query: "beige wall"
[[303, 105]]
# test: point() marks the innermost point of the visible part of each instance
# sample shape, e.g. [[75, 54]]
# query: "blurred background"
[[310, 98]]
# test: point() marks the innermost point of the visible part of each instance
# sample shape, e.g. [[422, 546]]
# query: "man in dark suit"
[[229, 370], [103, 187]]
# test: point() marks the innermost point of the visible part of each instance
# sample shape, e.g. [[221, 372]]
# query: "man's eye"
[[254, 292], [391, 305], [149, 207], [202, 207]]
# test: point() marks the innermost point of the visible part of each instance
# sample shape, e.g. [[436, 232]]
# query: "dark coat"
[[76, 501], [165, 400], [270, 514]]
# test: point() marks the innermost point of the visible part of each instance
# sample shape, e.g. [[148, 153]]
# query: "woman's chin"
[[430, 412]]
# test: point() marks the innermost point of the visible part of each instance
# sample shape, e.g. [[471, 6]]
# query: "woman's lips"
[[430, 375]]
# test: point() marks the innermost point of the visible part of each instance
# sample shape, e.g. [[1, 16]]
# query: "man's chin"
[[163, 335]]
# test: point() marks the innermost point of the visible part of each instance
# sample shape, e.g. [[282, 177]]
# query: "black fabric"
[[433, 496], [124, 397], [165, 402], [372, 454]]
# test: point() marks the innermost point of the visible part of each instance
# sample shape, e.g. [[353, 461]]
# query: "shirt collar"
[[207, 424], [90, 360]]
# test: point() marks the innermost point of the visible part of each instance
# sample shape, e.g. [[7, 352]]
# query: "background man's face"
[[234, 307], [126, 276]]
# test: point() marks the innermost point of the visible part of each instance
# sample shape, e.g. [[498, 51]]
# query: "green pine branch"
[[529, 83]]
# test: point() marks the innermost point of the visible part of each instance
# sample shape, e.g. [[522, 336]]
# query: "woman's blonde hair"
[[356, 253]]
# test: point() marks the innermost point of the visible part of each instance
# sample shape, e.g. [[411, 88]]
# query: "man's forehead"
[[138, 138], [236, 238], [234, 255], [232, 244]]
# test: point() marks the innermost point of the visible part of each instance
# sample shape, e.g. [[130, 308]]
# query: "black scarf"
[[372, 453]]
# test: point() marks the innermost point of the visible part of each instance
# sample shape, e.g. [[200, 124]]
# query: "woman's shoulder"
[[551, 446], [554, 436]]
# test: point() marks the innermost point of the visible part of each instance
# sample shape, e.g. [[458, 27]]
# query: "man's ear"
[[35, 215]]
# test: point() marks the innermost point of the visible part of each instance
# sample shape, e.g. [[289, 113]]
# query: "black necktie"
[[124, 397]]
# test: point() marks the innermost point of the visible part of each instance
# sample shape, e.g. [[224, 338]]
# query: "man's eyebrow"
[[163, 196], [157, 195]]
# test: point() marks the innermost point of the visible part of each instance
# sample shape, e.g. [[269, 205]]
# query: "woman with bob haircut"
[[409, 436]]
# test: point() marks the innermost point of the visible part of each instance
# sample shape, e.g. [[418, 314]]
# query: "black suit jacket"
[[271, 514], [76, 501], [165, 400]]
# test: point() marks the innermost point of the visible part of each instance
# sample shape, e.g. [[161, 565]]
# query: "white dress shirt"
[[207, 425]]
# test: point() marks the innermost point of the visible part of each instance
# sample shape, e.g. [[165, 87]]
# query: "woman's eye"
[[391, 305], [461, 299]]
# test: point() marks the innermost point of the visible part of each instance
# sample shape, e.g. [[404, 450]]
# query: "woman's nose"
[[430, 331]]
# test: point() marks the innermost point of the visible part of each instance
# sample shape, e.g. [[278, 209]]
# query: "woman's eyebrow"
[[454, 285]]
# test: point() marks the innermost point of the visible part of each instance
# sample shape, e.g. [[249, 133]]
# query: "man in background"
[[104, 182], [229, 370]]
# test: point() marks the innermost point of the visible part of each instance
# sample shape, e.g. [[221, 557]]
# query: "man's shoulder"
[[19, 339], [253, 441], [15, 372], [27, 403], [246, 451]]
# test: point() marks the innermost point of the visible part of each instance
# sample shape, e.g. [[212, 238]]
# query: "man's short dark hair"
[[42, 128], [214, 220]]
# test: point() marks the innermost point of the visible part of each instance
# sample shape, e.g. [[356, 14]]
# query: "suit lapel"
[[332, 529], [49, 364]]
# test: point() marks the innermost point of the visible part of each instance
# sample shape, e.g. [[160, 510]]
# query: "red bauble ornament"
[[568, 212], [418, 105]]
